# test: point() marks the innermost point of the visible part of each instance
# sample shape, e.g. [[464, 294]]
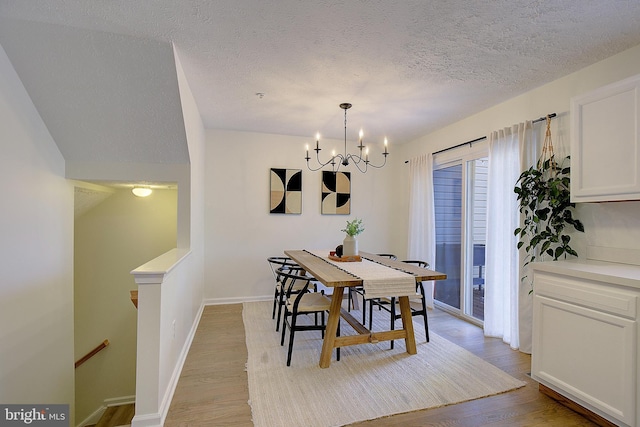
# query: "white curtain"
[[422, 223], [502, 293]]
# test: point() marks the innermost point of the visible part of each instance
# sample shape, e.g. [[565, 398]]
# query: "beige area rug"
[[370, 381]]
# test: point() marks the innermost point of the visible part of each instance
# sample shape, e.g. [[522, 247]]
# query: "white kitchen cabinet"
[[585, 335], [605, 143]]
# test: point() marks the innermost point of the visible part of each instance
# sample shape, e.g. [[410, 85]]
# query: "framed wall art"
[[286, 191], [336, 193]]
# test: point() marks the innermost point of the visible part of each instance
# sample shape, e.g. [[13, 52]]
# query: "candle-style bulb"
[[385, 146], [361, 134]]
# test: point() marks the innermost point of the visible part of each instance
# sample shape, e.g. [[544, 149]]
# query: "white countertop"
[[609, 272]]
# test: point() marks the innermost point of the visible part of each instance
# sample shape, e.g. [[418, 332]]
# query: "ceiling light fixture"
[[359, 160], [141, 191]]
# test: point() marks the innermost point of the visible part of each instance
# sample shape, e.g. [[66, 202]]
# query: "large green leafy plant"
[[544, 200]]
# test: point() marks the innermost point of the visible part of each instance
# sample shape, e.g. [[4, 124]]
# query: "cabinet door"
[[586, 355], [605, 143]]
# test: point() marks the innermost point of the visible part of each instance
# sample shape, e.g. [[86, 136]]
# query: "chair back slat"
[[276, 262], [419, 263], [289, 277]]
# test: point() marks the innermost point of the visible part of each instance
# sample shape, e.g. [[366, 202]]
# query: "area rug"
[[370, 381]]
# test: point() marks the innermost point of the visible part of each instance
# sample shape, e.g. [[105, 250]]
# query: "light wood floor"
[[213, 390], [120, 416]]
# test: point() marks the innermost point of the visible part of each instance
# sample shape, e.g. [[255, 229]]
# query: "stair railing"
[[92, 353]]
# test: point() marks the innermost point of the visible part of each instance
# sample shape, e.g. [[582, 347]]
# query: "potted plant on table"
[[350, 243]]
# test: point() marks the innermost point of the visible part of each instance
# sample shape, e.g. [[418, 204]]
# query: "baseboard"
[[93, 418], [148, 420], [118, 401], [591, 416], [236, 300], [97, 414]]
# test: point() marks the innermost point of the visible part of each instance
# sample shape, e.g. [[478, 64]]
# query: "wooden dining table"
[[333, 277]]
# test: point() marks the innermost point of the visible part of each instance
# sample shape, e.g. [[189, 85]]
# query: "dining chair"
[[359, 290], [302, 302], [275, 263], [417, 303]]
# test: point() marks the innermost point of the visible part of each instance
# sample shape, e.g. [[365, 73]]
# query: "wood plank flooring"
[[213, 389], [117, 416]]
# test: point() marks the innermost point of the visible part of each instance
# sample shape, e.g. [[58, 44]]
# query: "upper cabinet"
[[605, 143]]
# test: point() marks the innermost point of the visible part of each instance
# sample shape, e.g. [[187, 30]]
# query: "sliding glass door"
[[460, 195]]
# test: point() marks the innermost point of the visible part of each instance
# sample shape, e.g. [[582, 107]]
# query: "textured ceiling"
[[88, 196], [408, 67]]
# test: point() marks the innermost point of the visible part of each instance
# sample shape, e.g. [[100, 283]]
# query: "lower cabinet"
[[585, 340]]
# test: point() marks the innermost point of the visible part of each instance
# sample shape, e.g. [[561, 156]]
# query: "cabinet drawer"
[[590, 294]]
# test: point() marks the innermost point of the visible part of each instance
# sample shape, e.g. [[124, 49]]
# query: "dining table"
[[381, 277]]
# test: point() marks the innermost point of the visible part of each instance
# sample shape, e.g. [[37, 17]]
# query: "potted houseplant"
[[545, 203], [350, 243]]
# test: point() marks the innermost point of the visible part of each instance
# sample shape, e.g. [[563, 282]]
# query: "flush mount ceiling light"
[[360, 160], [141, 191]]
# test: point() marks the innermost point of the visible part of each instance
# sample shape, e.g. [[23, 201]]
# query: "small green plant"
[[354, 227]]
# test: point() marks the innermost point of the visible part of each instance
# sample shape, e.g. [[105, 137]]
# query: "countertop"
[[610, 272]]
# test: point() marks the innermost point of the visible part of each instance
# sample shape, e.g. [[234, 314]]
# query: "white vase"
[[350, 246]]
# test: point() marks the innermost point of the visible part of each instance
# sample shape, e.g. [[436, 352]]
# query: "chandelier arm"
[[378, 166], [357, 165], [321, 164], [330, 161], [312, 169], [356, 159]]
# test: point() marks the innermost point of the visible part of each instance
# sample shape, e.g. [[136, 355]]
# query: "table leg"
[[407, 325], [332, 327], [354, 298]]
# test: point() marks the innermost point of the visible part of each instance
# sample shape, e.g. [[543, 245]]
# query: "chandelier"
[[360, 160]]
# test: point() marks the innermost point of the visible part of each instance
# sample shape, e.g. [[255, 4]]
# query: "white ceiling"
[[100, 72]]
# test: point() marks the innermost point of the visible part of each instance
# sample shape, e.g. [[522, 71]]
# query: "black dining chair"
[[417, 303], [275, 263], [301, 302]]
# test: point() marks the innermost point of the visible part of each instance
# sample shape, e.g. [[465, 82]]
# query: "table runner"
[[378, 280]]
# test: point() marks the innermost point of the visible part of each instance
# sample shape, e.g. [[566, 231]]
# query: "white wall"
[[240, 231], [113, 238], [607, 224], [36, 249], [194, 130], [170, 303]]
